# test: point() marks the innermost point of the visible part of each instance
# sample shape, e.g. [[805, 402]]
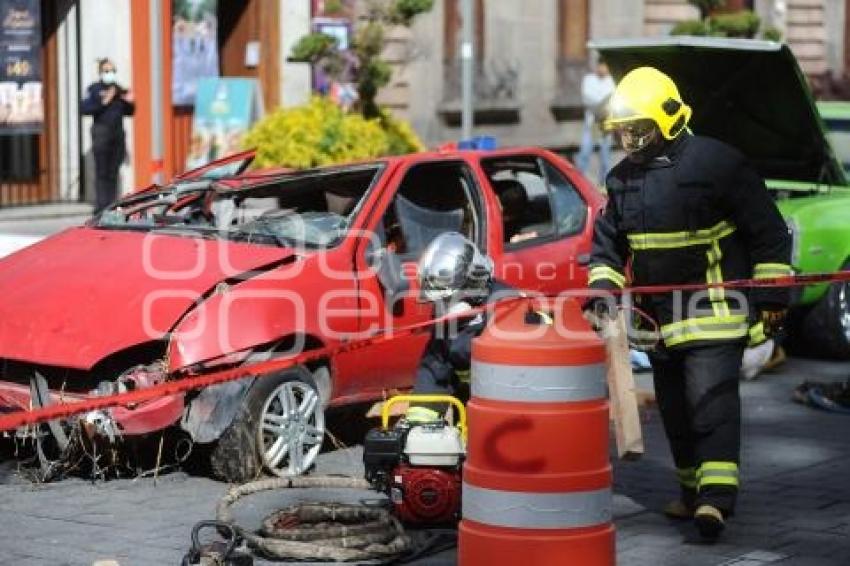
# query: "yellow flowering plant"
[[321, 133]]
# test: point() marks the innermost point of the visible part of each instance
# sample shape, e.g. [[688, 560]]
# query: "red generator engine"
[[419, 467]]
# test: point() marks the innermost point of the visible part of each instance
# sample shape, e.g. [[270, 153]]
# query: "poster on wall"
[[21, 100], [336, 19], [340, 86], [194, 47], [224, 110]]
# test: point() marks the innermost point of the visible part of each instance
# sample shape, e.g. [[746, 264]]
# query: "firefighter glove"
[[598, 311]]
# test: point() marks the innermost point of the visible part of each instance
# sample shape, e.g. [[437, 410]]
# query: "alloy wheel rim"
[[844, 309], [291, 429]]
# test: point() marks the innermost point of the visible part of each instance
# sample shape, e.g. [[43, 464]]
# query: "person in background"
[[596, 89], [107, 102]]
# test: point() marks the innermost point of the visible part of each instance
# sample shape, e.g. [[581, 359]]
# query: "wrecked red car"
[[220, 268]]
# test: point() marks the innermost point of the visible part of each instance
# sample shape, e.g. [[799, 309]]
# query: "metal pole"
[[467, 69], [156, 89]]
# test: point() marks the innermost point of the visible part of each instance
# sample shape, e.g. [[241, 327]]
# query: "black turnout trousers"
[[697, 394], [109, 151]]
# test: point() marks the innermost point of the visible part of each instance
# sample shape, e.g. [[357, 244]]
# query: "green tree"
[[706, 7], [321, 133], [371, 71], [742, 23]]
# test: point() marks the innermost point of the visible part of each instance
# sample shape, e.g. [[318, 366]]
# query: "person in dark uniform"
[[107, 102], [685, 209], [456, 277]]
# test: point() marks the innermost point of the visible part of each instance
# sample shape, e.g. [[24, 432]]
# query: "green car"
[[753, 95]]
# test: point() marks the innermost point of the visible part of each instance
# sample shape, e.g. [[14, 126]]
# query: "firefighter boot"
[[683, 507], [709, 521]]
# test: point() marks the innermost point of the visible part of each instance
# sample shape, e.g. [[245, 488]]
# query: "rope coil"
[[366, 533]]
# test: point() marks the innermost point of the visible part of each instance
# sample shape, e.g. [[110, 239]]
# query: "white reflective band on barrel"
[[524, 510], [541, 384]]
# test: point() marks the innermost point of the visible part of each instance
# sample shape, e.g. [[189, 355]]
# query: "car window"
[[524, 197], [431, 199], [570, 209], [310, 208]]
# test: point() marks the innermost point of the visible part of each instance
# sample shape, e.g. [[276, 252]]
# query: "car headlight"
[[794, 229]]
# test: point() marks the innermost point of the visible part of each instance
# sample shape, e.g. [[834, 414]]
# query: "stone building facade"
[[530, 57]]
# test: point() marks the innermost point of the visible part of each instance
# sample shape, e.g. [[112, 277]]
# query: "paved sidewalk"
[[22, 226], [794, 511]]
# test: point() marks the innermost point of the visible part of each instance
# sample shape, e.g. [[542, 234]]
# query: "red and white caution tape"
[[14, 420]]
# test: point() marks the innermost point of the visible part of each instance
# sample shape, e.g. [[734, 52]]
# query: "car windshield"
[[309, 208]]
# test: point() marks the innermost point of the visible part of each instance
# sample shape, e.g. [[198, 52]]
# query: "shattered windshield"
[[309, 208]]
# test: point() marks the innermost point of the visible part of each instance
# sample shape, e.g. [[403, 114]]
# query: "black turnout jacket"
[[698, 213]]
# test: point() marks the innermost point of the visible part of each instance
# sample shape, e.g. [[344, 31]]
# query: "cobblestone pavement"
[[795, 508]]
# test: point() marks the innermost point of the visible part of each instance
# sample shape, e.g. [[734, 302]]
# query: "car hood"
[[75, 298], [748, 93]]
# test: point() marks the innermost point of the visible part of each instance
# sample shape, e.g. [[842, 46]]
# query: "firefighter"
[[456, 277], [686, 209]]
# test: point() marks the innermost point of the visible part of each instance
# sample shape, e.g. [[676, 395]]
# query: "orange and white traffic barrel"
[[537, 479]]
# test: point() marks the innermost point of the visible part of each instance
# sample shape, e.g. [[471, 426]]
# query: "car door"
[[544, 226], [424, 199]]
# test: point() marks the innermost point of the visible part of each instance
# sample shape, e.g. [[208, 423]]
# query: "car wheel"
[[826, 327], [280, 428]]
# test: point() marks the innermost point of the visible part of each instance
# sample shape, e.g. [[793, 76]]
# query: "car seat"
[[420, 225]]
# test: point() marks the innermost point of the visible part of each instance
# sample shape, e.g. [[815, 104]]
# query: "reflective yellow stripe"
[[463, 375], [718, 467], [667, 240], [704, 328], [770, 270], [718, 473], [687, 476], [756, 335], [704, 481], [713, 274], [419, 414], [603, 272]]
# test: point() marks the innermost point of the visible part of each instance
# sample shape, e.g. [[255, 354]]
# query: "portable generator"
[[418, 466]]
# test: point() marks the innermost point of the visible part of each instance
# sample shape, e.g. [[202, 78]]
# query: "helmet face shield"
[[452, 268], [638, 135], [619, 111]]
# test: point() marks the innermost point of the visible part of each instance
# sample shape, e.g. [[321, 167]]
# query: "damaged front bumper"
[[103, 424]]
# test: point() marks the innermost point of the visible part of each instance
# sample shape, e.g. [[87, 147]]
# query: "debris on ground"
[[833, 397]]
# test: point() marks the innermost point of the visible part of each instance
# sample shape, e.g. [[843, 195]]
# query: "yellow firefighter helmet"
[[646, 93]]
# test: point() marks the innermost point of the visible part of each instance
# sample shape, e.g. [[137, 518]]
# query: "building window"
[[496, 78], [452, 35], [571, 57], [572, 30]]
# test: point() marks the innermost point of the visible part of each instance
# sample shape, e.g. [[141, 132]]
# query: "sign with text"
[[21, 100]]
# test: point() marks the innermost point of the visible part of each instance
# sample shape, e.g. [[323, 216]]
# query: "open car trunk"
[[748, 93]]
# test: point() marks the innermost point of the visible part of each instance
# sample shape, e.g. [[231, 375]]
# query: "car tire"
[[826, 327], [281, 416]]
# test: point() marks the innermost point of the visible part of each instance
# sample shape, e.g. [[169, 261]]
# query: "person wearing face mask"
[[686, 209], [107, 103]]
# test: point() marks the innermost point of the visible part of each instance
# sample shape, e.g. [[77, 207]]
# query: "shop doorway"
[[29, 158]]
